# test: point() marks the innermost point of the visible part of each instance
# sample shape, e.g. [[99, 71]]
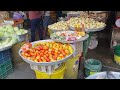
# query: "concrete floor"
[[22, 71], [105, 55], [102, 53]]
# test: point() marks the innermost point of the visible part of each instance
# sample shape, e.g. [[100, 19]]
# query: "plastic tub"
[[92, 66]]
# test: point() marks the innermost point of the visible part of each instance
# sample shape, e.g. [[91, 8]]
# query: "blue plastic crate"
[[5, 69], [5, 59], [4, 54]]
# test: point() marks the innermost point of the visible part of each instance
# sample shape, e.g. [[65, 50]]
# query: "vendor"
[[46, 22], [49, 18], [36, 22]]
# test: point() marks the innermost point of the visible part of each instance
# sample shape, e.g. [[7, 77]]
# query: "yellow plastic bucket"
[[117, 58], [72, 68], [57, 74]]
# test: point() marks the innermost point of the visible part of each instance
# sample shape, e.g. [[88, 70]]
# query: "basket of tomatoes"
[[46, 55]]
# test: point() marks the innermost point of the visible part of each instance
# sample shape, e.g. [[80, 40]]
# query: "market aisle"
[[22, 71]]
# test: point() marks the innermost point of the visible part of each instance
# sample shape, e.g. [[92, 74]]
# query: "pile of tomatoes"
[[46, 52]]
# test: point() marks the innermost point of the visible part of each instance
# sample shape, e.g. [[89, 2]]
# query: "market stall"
[[44, 58], [57, 57], [80, 22]]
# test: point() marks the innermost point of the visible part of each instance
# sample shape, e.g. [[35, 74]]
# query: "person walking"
[[49, 18], [46, 22], [36, 23]]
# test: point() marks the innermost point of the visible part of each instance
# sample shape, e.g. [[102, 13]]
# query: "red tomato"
[[61, 55], [28, 55], [52, 52], [36, 60], [38, 57], [67, 51], [63, 52], [26, 46], [55, 58], [47, 55], [40, 60], [45, 47], [49, 52], [42, 51], [41, 54], [47, 60], [31, 54]]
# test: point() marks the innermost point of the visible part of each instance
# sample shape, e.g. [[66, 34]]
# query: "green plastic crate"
[[5, 69]]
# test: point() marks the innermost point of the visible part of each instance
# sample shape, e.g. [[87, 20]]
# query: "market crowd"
[[38, 21]]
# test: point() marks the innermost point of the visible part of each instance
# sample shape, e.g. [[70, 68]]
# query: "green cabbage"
[[1, 28], [16, 28], [1, 34], [18, 32]]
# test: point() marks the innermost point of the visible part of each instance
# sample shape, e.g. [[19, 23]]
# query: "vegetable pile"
[[8, 35]]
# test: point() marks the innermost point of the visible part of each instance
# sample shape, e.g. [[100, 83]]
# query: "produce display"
[[8, 35], [46, 51], [87, 22], [9, 30], [68, 35], [73, 22], [61, 25]]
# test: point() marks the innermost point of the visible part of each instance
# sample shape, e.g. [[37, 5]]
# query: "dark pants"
[[36, 24]]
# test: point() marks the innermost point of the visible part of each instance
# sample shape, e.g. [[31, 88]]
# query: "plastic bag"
[[93, 43]]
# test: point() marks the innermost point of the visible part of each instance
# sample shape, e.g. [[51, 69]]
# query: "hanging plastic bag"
[[93, 43]]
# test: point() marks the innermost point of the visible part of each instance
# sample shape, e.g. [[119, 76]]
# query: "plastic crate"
[[5, 69], [5, 59], [4, 54]]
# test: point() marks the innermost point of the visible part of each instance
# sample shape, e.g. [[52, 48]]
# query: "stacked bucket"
[[46, 70]]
